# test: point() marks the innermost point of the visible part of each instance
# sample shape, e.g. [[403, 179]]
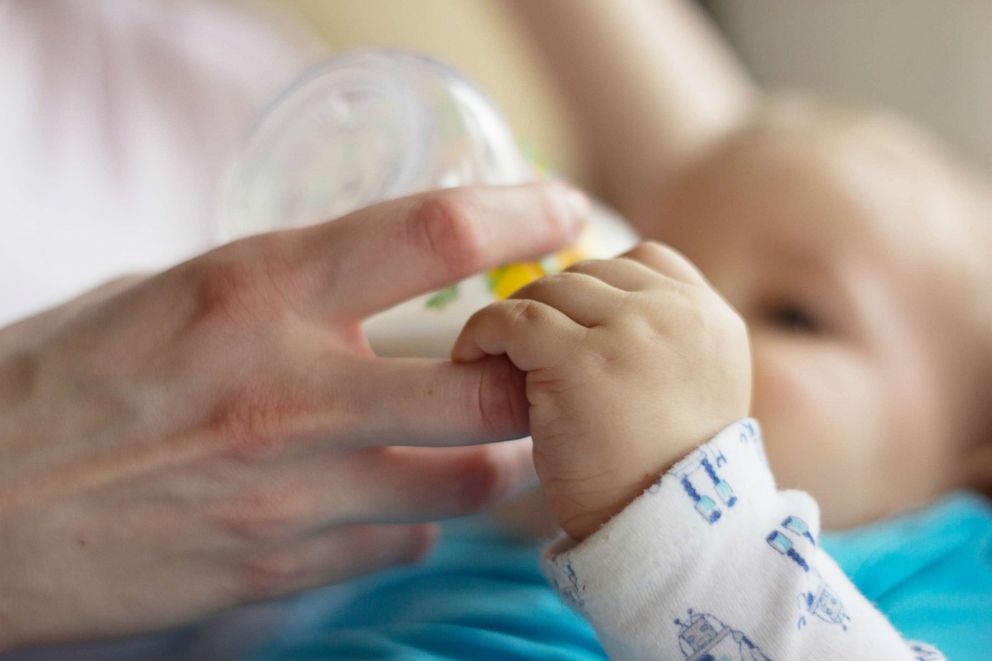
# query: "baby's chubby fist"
[[631, 363]]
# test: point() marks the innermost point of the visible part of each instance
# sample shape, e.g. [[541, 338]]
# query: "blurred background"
[[134, 109], [929, 60]]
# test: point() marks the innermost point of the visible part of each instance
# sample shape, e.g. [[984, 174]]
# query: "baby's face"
[[854, 301]]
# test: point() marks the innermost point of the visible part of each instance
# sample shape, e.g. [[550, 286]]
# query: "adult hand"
[[222, 433]]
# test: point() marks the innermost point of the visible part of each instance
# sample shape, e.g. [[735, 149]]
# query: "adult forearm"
[[650, 81]]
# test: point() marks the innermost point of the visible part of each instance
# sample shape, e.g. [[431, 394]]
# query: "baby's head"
[[860, 258]]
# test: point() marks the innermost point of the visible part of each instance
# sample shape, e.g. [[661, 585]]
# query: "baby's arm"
[[634, 366], [651, 83], [712, 558]]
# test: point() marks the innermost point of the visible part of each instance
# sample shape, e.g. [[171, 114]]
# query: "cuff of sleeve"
[[663, 526]]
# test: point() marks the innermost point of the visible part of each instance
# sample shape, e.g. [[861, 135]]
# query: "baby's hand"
[[630, 362]]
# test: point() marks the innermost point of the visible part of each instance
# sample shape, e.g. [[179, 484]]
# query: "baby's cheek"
[[789, 403], [793, 391], [818, 409]]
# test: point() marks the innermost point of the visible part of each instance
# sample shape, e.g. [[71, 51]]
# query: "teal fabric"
[[930, 572], [481, 596]]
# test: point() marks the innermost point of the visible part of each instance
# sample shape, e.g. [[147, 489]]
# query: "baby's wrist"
[[581, 517], [582, 512], [579, 526]]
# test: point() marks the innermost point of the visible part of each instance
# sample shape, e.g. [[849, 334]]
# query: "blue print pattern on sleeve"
[[818, 599], [572, 591], [703, 637], [924, 652], [688, 472]]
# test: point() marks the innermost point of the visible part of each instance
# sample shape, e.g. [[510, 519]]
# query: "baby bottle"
[[376, 125]]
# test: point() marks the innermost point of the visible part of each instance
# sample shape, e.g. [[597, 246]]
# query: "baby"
[[857, 259], [825, 272], [860, 260]]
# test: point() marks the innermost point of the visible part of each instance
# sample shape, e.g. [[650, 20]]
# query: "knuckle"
[[240, 282], [536, 289], [665, 260], [653, 252], [442, 226], [223, 289], [547, 283], [649, 249], [250, 424], [522, 312]]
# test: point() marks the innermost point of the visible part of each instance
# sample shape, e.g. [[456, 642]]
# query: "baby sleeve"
[[713, 562]]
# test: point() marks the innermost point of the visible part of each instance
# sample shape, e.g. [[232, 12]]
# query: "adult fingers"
[[390, 252], [332, 556], [277, 502], [532, 334], [427, 484], [586, 300], [667, 261], [413, 401]]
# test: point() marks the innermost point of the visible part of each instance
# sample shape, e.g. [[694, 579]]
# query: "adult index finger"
[[413, 401], [382, 255]]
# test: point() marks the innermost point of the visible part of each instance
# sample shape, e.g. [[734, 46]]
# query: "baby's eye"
[[794, 319]]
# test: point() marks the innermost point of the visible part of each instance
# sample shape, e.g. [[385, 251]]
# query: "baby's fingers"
[[666, 261], [532, 334], [585, 299]]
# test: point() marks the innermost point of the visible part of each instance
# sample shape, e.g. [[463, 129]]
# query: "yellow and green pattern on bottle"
[[503, 281]]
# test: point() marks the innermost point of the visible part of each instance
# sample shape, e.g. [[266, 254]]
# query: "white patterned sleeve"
[[713, 562]]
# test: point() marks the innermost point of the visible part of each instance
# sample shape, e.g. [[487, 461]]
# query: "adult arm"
[[651, 83], [221, 432]]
